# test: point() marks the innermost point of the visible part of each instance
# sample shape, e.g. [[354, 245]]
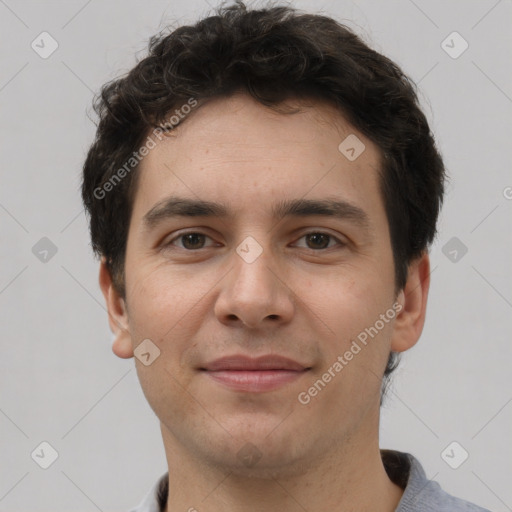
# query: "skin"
[[297, 299]]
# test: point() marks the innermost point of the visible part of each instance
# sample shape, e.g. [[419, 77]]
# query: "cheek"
[[162, 303], [348, 303], [351, 309], [165, 309]]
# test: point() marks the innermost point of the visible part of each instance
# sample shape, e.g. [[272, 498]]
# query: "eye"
[[317, 240], [314, 240], [190, 241]]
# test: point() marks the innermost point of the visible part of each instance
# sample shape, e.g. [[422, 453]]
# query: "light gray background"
[[60, 382]]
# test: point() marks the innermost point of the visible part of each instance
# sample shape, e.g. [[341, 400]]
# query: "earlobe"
[[413, 298], [122, 346], [117, 314]]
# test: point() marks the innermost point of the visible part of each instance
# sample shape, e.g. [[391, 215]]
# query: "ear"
[[117, 314], [413, 299]]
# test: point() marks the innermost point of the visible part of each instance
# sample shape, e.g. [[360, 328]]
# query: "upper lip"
[[242, 362]]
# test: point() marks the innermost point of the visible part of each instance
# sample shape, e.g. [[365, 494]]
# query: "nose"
[[255, 295]]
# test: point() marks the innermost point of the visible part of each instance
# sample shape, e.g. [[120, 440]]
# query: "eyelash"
[[181, 235]]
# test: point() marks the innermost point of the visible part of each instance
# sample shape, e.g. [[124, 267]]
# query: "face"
[[258, 256]]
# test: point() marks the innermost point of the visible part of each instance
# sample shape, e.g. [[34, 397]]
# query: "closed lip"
[[244, 374], [240, 362]]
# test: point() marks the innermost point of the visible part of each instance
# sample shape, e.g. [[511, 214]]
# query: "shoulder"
[[420, 493]]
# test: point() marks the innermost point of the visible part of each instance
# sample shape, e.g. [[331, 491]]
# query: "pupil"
[[317, 238], [191, 240]]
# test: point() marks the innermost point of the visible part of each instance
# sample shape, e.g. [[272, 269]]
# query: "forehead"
[[235, 150]]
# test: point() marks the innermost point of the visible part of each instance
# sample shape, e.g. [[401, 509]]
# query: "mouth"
[[254, 375]]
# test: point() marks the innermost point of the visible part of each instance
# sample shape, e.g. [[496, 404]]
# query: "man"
[[262, 191]]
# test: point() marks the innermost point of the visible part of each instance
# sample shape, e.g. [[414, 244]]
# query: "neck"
[[350, 477]]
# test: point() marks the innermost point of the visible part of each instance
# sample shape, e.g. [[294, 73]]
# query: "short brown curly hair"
[[274, 53]]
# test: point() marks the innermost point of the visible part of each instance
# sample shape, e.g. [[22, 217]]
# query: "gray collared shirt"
[[420, 494]]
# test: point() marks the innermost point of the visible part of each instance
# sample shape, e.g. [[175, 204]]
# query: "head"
[[255, 110]]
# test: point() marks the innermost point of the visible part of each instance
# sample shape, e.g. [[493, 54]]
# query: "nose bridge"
[[253, 293], [253, 274]]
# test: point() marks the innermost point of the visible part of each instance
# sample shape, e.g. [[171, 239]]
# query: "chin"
[[261, 451], [252, 462]]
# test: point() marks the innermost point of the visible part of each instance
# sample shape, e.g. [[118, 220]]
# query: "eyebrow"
[[183, 207]]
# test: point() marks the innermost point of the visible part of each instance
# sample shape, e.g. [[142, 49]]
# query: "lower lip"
[[255, 381]]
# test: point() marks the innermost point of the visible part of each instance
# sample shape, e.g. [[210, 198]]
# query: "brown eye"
[[189, 241], [193, 241], [318, 240]]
